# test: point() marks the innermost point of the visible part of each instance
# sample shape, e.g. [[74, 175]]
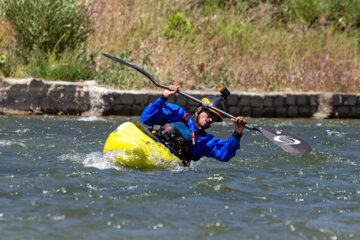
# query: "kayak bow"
[[130, 146]]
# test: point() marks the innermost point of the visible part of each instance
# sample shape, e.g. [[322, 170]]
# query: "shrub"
[[177, 23], [48, 25]]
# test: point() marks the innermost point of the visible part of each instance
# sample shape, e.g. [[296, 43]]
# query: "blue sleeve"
[[160, 112], [222, 150]]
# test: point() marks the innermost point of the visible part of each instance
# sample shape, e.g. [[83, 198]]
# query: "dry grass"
[[227, 48]]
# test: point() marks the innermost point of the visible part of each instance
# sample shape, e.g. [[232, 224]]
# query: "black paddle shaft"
[[287, 142]]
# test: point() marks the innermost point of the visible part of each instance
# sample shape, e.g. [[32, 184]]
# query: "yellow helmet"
[[214, 102]]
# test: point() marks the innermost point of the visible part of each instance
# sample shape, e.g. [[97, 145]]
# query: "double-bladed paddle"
[[289, 143]]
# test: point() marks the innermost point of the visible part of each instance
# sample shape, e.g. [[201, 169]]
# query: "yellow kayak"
[[129, 146]]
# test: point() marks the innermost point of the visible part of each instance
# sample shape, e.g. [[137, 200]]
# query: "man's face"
[[204, 120]]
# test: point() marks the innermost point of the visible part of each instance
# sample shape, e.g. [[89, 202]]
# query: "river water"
[[55, 184]]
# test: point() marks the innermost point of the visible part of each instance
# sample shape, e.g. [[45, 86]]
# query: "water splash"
[[93, 159], [137, 158]]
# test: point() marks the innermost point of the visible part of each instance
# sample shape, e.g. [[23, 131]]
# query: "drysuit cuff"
[[237, 136], [163, 98]]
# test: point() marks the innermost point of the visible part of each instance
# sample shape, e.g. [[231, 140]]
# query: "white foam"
[[107, 161], [11, 142], [22, 130], [5, 143], [96, 160], [335, 133], [93, 159], [92, 119]]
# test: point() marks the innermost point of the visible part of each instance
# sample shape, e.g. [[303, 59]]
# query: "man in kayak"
[[160, 112]]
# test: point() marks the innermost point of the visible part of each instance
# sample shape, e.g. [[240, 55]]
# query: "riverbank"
[[245, 45], [34, 97]]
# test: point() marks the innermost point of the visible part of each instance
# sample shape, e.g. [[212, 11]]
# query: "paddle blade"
[[289, 143]]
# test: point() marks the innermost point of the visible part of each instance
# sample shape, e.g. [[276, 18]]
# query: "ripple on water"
[[12, 143], [53, 176]]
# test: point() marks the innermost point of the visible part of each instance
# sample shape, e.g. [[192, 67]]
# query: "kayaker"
[[160, 112]]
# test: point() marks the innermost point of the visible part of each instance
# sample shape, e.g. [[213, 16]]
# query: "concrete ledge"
[[33, 96]]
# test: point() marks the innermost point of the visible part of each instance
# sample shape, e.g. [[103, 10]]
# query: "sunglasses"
[[212, 115]]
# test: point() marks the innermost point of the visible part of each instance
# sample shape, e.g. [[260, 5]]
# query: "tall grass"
[[50, 38], [71, 66], [247, 45], [48, 25]]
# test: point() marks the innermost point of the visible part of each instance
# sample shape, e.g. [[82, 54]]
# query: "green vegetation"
[[71, 65], [177, 24], [50, 38], [262, 45]]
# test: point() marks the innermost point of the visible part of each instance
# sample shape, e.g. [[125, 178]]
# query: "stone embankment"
[[33, 96]]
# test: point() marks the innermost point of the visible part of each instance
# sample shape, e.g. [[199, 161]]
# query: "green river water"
[[55, 184]]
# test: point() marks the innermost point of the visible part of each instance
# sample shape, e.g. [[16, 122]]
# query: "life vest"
[[196, 134], [177, 138]]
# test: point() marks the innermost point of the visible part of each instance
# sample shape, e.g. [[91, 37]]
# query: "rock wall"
[[33, 96]]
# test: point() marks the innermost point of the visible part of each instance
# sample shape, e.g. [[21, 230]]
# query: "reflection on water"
[[55, 183]]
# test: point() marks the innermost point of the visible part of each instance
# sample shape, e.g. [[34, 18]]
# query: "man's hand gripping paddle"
[[289, 143]]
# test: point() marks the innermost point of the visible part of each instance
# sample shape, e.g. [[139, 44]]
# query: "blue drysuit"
[[161, 112]]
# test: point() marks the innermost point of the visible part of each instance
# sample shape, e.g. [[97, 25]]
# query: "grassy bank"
[[246, 45]]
